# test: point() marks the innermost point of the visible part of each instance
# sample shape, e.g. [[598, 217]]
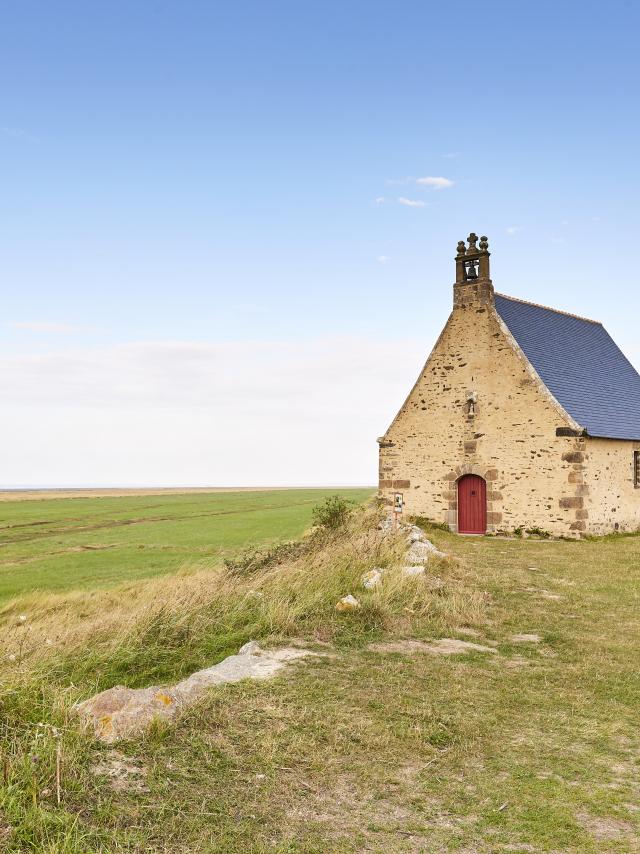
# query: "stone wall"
[[611, 501], [518, 438]]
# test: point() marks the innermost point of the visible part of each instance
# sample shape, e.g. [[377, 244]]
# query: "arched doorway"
[[472, 505]]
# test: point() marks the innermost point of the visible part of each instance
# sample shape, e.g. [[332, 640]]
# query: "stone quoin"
[[522, 417]]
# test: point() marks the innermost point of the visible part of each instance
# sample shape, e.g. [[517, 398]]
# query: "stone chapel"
[[522, 417]]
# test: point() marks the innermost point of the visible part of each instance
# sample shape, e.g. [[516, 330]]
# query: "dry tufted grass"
[[163, 628]]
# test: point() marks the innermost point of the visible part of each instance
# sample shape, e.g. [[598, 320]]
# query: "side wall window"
[[636, 469]]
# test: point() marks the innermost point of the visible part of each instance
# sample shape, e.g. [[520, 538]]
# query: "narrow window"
[[636, 469]]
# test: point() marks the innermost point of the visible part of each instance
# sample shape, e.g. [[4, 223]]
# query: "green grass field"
[[534, 748], [85, 543]]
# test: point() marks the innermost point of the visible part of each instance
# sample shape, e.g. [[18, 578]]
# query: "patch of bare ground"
[[406, 822], [125, 774], [543, 593], [515, 662], [605, 828], [442, 646]]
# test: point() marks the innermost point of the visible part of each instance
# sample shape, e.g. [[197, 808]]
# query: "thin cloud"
[[411, 203], [45, 327], [383, 259], [513, 229], [380, 200], [435, 182], [206, 410], [18, 133], [450, 155]]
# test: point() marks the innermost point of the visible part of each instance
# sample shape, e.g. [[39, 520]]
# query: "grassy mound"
[[61, 648], [379, 745]]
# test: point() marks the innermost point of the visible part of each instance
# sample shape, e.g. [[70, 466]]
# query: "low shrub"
[[538, 532], [431, 525], [332, 513]]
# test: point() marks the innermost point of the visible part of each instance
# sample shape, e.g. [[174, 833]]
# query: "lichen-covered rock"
[[250, 648], [416, 535], [372, 578], [422, 551], [124, 712], [413, 570], [386, 525], [347, 603]]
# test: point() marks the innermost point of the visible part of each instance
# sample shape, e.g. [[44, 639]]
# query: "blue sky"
[[202, 199]]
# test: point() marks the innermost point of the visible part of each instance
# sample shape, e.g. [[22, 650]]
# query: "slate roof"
[[580, 364]]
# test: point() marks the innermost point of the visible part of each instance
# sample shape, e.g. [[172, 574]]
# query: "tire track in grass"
[[116, 523]]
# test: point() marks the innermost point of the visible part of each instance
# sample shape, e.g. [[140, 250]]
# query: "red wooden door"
[[472, 505]]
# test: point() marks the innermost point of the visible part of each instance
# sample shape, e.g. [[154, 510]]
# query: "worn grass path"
[[83, 543]]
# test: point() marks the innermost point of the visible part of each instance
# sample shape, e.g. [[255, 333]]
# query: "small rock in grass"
[[250, 648], [372, 578], [423, 550], [413, 570], [347, 603], [526, 638], [416, 535]]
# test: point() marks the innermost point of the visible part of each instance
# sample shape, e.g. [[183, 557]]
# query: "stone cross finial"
[[472, 261]]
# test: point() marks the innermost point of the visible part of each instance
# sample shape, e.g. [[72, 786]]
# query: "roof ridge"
[[548, 308]]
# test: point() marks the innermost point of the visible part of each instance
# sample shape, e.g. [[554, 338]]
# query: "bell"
[[472, 273]]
